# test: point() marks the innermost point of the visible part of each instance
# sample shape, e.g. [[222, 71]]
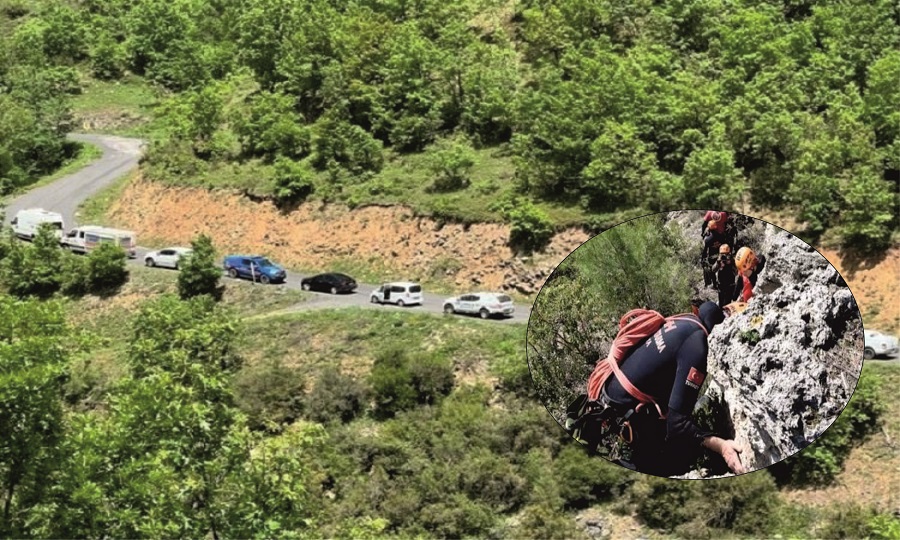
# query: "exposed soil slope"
[[314, 236]]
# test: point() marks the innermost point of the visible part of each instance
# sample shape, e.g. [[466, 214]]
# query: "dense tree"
[[32, 372], [199, 274]]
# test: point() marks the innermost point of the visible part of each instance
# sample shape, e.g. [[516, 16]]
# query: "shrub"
[[745, 504], [400, 381], [293, 180], [450, 162], [106, 267], [199, 273], [530, 227], [107, 57], [36, 269], [335, 397], [270, 394], [584, 480], [74, 280], [851, 521], [541, 522], [340, 144]]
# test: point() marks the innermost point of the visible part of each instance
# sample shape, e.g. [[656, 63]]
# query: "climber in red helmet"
[[748, 265]]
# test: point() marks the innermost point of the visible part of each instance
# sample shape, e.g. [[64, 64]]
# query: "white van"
[[401, 293], [84, 239], [26, 222]]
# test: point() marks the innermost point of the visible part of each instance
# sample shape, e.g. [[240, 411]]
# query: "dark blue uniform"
[[670, 365]]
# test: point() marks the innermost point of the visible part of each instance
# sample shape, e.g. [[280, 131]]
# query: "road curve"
[[121, 155]]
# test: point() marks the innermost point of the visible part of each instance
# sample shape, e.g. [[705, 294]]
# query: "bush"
[[585, 480], [852, 521], [401, 382], [200, 273], [270, 394], [75, 279], [450, 162], [335, 398], [293, 180], [36, 269], [530, 227], [823, 460], [745, 504], [106, 267]]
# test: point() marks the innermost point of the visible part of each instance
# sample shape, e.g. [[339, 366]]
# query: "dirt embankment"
[[406, 246], [314, 236]]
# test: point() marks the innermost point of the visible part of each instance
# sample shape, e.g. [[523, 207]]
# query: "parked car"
[[254, 267], [879, 344], [401, 293], [85, 239], [169, 257], [26, 222], [484, 304], [332, 282]]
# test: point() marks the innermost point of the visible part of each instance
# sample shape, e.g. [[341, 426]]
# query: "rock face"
[[786, 367]]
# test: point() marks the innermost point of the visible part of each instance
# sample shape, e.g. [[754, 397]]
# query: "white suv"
[[401, 293], [879, 344], [484, 304]]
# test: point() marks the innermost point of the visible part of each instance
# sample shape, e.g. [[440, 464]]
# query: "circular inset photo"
[[695, 344]]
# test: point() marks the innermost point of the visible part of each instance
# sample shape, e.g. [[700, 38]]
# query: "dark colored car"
[[332, 282], [254, 267]]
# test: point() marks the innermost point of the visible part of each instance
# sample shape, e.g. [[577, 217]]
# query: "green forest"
[[136, 404], [589, 109]]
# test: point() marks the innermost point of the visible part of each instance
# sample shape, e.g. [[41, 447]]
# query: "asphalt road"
[[120, 155]]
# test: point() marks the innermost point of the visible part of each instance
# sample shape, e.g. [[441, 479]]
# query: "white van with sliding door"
[[401, 293], [25, 224]]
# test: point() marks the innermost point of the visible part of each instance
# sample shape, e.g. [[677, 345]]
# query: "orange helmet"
[[745, 259], [724, 249]]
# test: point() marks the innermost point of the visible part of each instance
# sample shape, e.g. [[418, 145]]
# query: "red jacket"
[[717, 226]]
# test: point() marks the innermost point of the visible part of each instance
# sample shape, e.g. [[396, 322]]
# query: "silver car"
[[483, 304], [879, 344], [169, 257]]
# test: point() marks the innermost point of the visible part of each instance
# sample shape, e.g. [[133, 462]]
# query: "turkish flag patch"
[[696, 377]]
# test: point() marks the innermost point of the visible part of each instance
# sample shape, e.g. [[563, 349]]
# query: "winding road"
[[121, 155]]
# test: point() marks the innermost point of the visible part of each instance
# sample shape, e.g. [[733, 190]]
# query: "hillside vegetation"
[[603, 106]]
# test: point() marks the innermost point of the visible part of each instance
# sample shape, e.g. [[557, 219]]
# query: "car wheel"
[[869, 353], [484, 313], [264, 279], [233, 273], [448, 309], [150, 262], [334, 290], [400, 303], [374, 300], [305, 286], [175, 266]]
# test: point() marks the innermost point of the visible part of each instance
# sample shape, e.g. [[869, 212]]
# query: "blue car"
[[254, 267]]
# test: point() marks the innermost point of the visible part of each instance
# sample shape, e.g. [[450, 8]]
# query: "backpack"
[[634, 327]]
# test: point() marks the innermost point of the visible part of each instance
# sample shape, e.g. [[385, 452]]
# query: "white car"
[[169, 257], [485, 304], [401, 293], [879, 344]]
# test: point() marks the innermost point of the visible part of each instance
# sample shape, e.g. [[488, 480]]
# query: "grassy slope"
[[123, 107]]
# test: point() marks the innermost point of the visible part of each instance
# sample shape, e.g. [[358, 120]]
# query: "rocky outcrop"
[[786, 367]]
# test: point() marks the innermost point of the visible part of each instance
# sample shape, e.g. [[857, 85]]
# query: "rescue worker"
[[725, 273], [748, 266], [670, 366], [713, 232]]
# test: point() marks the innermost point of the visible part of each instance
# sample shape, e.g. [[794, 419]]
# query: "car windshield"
[[262, 261], [417, 288], [504, 298]]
